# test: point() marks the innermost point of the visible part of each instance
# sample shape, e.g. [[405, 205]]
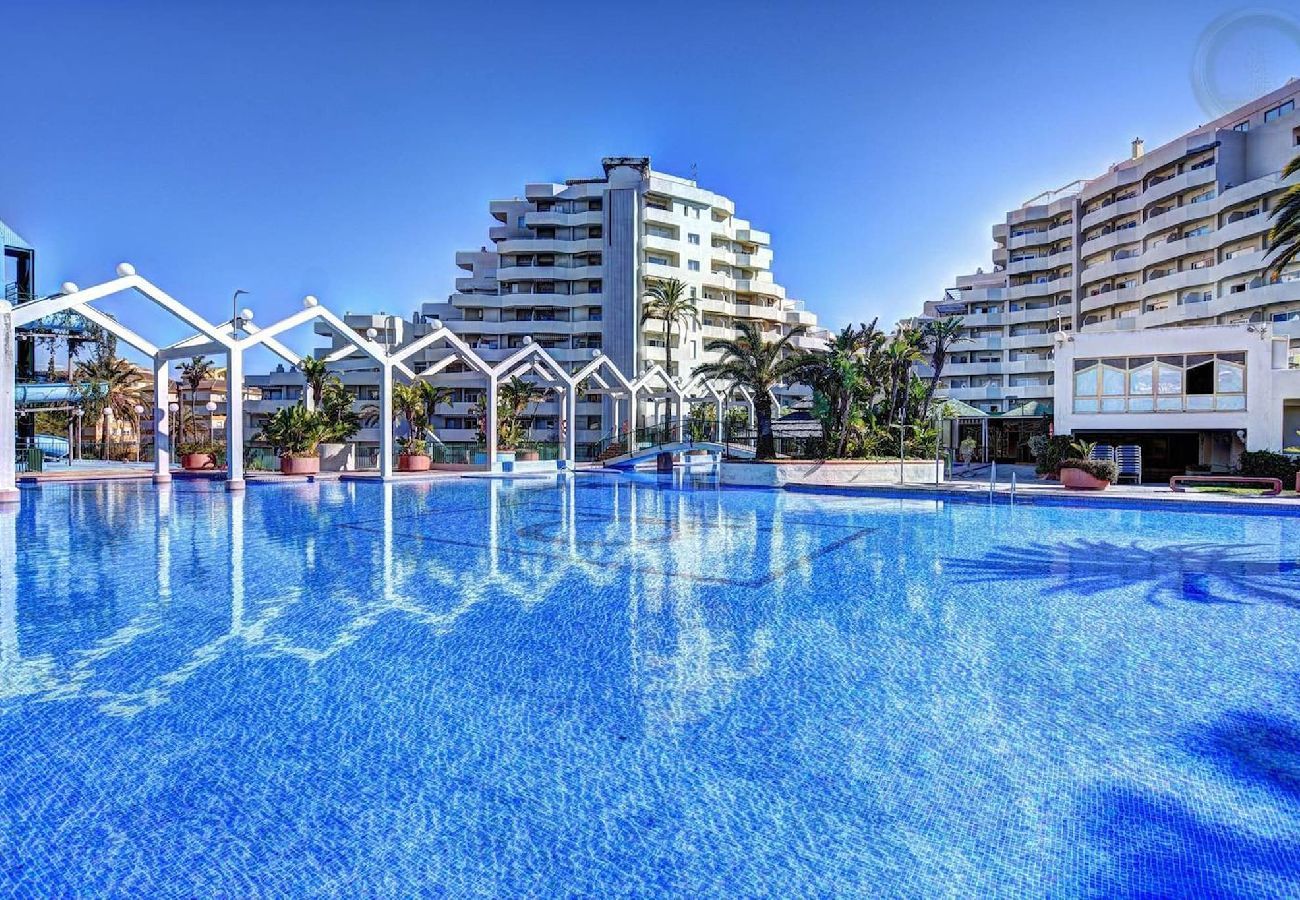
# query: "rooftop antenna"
[[694, 172]]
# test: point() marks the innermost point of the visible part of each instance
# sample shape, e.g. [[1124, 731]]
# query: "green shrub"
[[1097, 468], [1049, 451], [1267, 464]]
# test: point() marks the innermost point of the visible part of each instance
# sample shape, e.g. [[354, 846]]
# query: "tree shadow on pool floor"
[[1195, 573]]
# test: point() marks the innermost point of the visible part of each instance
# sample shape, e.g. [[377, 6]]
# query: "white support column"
[[717, 426], [162, 423], [385, 421], [679, 403], [631, 416], [235, 420], [571, 433], [614, 406], [8, 425], [490, 423]]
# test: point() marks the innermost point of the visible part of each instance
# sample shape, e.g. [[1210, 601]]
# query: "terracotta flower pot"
[[193, 462], [527, 456], [299, 465], [1079, 480], [409, 463]]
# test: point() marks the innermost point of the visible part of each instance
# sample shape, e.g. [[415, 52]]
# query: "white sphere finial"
[[528, 339], [595, 354], [125, 269], [372, 333], [69, 287], [246, 314], [309, 301], [435, 324]]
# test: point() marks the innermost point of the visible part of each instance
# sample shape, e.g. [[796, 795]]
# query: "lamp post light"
[[139, 436], [74, 449], [211, 407], [174, 431], [236, 320]]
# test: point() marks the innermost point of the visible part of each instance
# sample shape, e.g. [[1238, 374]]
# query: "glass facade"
[[1193, 382]]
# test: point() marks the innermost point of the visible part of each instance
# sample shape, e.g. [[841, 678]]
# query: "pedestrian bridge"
[[643, 454]]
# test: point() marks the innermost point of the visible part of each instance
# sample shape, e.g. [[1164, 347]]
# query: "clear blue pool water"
[[633, 686]]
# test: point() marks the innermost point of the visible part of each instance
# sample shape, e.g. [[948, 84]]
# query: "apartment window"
[[594, 313], [658, 260], [1278, 112], [1242, 126], [1202, 197], [595, 231], [595, 287], [545, 205], [692, 238], [693, 265], [596, 204]]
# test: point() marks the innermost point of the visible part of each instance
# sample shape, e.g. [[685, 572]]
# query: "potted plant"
[[527, 453], [1082, 473], [417, 402], [296, 433], [197, 455], [341, 424]]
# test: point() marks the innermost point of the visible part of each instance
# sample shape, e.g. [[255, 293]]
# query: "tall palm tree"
[[938, 337], [193, 373], [316, 374], [668, 301], [114, 385], [1284, 235], [758, 365]]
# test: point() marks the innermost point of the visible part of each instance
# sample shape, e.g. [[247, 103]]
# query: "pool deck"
[[1027, 490]]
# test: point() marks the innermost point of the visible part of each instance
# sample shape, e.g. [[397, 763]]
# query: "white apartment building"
[[568, 266], [1168, 237]]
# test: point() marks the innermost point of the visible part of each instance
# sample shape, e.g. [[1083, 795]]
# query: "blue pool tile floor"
[[641, 686]]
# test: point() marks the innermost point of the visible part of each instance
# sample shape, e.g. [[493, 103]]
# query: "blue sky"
[[348, 150]]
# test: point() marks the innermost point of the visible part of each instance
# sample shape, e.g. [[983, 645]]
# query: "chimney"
[[1138, 148]]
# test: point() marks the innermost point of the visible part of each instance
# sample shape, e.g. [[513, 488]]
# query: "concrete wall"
[[836, 472]]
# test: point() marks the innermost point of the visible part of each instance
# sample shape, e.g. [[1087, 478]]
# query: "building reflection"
[[128, 616]]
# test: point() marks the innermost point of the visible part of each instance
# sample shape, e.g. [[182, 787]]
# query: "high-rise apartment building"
[[569, 267], [1170, 236]]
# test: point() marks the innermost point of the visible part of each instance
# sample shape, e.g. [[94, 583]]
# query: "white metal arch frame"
[[233, 338]]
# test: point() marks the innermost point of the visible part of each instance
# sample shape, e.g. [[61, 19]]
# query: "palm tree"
[[193, 374], [842, 377], [938, 337], [901, 353], [316, 374], [1284, 236], [758, 365], [115, 385], [668, 302], [513, 399]]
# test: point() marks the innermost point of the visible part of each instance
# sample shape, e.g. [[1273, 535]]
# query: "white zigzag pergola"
[[234, 338]]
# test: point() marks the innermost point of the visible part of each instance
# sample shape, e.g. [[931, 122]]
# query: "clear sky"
[[349, 149]]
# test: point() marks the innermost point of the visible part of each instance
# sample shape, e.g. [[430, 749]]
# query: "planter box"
[[407, 463], [527, 455], [336, 458], [299, 465], [194, 462], [776, 473], [1079, 480]]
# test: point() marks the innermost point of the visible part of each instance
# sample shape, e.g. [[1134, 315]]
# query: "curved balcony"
[[1179, 183], [549, 273], [525, 244], [1113, 211], [536, 219], [1039, 289]]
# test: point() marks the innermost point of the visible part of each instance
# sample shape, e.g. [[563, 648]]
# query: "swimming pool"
[[641, 686]]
